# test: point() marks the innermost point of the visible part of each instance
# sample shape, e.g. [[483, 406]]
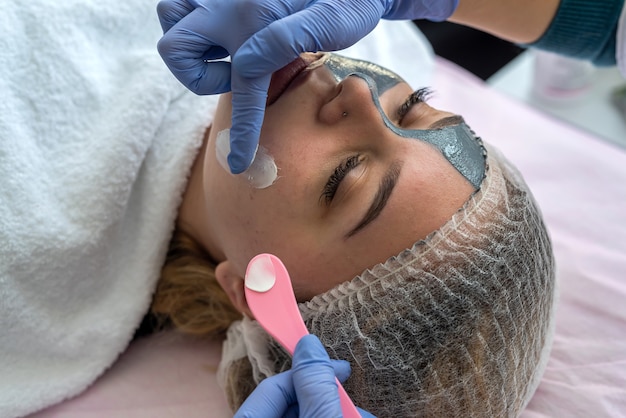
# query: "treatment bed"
[[579, 181]]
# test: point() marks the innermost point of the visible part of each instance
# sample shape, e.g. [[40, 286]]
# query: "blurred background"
[[477, 52], [592, 99]]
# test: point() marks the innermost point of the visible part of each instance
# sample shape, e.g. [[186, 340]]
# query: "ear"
[[233, 285]]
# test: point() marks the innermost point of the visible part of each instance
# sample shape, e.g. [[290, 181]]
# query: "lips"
[[283, 78]]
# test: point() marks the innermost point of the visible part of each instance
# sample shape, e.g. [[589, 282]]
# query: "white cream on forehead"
[[262, 172]]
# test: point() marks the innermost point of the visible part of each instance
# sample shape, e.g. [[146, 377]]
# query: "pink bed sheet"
[[162, 376], [580, 183]]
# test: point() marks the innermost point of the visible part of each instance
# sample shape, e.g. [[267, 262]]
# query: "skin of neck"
[[519, 21], [193, 212]]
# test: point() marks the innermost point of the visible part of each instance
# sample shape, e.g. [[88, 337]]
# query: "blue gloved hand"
[[262, 36], [307, 390]]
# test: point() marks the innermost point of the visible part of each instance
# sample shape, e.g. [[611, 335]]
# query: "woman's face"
[[350, 191]]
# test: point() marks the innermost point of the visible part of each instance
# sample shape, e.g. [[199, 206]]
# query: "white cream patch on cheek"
[[262, 172]]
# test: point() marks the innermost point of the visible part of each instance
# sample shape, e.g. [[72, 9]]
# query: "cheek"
[[251, 226], [287, 133], [442, 191], [242, 239]]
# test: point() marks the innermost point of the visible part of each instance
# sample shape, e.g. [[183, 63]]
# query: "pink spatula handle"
[[271, 299], [347, 406]]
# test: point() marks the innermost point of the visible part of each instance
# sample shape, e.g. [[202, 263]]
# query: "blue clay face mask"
[[457, 143]]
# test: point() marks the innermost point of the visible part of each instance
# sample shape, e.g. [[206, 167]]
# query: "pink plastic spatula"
[[272, 301]]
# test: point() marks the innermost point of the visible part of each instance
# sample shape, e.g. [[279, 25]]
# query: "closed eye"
[[335, 179], [417, 97]]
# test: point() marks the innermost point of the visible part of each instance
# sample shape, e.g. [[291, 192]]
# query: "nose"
[[353, 104]]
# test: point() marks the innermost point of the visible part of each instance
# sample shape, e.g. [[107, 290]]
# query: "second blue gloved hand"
[[262, 36], [307, 390]]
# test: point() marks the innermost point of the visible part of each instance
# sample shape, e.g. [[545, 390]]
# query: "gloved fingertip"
[[238, 163], [310, 340], [342, 369], [310, 348]]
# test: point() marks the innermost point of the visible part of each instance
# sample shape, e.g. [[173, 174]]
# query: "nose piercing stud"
[[344, 114]]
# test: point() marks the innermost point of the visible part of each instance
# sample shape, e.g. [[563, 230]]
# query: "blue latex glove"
[[262, 36], [307, 390]]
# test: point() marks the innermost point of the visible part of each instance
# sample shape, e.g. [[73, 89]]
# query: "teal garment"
[[584, 29]]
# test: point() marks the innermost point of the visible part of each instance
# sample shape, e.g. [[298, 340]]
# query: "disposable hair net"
[[459, 325]]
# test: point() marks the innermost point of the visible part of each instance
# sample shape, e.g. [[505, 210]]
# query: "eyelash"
[[330, 189], [338, 175], [417, 97]]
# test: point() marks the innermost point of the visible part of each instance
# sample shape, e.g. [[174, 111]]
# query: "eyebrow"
[[379, 202]]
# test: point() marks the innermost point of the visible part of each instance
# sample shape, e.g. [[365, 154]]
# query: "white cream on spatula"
[[262, 172]]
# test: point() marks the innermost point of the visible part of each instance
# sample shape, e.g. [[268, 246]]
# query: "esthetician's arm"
[[584, 29], [520, 21]]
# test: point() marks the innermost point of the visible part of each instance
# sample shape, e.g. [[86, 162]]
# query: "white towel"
[[96, 142]]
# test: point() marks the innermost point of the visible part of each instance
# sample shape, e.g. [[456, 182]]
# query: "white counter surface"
[[593, 112]]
